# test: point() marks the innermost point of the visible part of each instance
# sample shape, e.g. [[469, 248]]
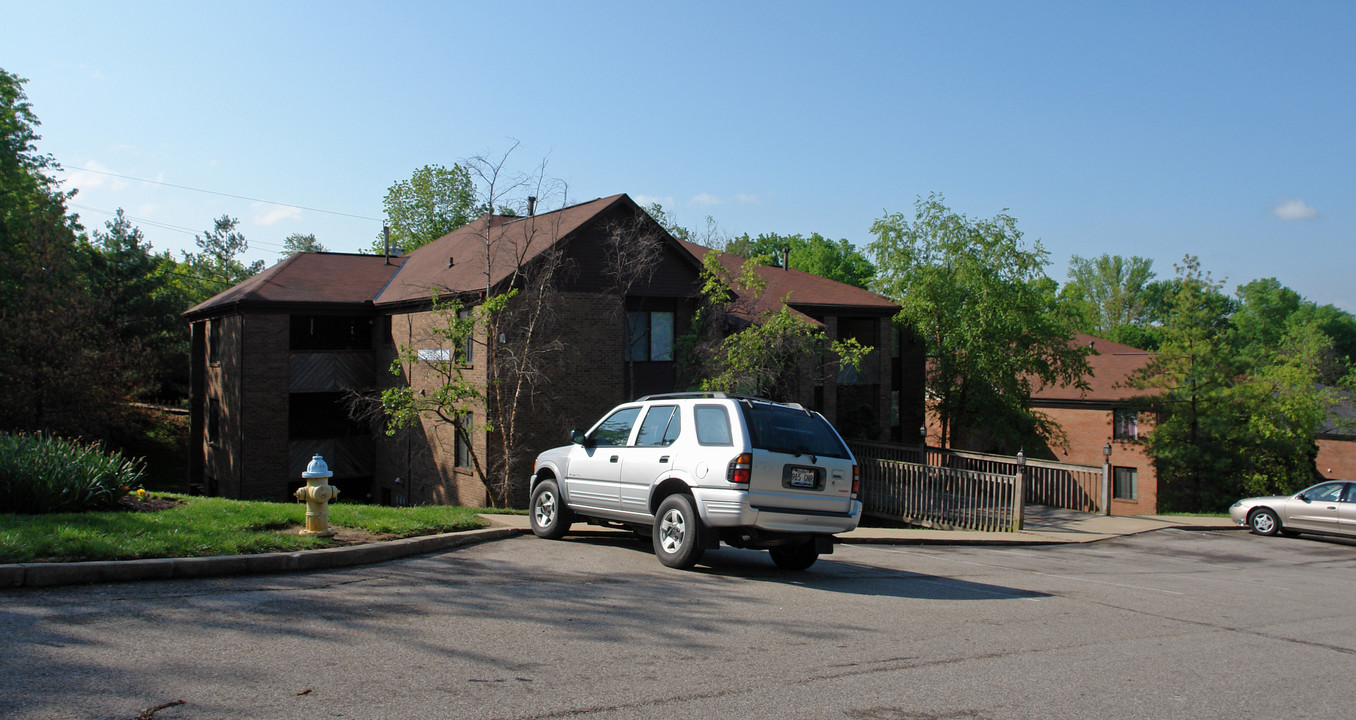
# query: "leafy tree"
[[1114, 291], [667, 221], [835, 260], [299, 243], [57, 370], [772, 354], [1239, 399], [976, 294], [432, 203]]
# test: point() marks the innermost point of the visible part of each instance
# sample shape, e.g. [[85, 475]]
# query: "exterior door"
[[651, 456], [1320, 512], [594, 475]]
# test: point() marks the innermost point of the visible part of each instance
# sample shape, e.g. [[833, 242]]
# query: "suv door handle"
[[664, 458], [613, 459]]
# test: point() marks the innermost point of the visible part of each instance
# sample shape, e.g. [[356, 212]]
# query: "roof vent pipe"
[[531, 205], [786, 258], [386, 232]]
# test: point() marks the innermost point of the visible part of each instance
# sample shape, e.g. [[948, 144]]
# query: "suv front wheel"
[[551, 518], [678, 533]]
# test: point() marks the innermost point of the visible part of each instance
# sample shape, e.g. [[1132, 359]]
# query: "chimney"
[[531, 205], [786, 258]]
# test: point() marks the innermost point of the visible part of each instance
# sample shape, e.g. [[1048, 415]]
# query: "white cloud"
[[706, 200], [745, 199], [648, 200], [275, 213], [1294, 210], [91, 175]]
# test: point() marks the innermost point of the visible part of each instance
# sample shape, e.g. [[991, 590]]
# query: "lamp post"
[[1106, 479], [923, 444]]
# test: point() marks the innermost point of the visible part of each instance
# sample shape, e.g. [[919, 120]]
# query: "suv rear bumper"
[[731, 508]]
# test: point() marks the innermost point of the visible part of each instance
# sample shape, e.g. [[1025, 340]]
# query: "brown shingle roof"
[[804, 292], [1111, 366], [455, 262], [307, 278]]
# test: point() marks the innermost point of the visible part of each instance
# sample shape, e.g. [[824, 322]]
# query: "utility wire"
[[229, 195]]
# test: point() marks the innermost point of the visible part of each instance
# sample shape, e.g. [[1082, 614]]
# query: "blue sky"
[[1224, 130]]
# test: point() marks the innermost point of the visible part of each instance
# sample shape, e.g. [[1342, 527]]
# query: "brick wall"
[[1337, 458], [265, 371], [1088, 430]]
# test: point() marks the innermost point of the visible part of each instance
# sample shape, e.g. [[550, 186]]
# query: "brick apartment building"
[[275, 358], [1100, 417]]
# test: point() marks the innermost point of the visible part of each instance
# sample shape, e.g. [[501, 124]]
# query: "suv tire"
[[677, 533], [795, 557], [551, 517]]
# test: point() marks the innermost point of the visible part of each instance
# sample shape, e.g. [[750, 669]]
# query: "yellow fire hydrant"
[[317, 495]]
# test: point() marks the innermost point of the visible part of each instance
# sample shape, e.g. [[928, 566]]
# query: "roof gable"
[[456, 262], [306, 278], [1111, 366], [804, 292]]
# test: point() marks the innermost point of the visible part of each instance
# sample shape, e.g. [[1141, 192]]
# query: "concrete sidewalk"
[[1043, 526]]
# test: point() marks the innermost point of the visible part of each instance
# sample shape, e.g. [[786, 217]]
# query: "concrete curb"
[[105, 571]]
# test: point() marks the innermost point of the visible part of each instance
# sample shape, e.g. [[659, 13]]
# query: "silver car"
[[1328, 508], [692, 470]]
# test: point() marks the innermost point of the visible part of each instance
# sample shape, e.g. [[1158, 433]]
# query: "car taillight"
[[740, 469], [856, 481]]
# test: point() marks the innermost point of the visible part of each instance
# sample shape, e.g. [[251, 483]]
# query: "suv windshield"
[[778, 428]]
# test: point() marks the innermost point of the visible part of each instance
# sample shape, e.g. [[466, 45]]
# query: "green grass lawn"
[[203, 526]]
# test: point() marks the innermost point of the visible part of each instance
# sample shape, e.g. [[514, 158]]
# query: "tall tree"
[[973, 291], [1115, 288], [433, 202], [301, 243], [57, 372], [815, 254], [217, 265], [141, 310]]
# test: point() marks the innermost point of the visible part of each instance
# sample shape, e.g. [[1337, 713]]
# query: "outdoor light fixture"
[[1106, 451]]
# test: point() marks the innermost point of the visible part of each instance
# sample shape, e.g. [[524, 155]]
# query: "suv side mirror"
[[577, 437]]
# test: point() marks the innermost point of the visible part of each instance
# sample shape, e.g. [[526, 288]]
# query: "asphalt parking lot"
[[1169, 624]]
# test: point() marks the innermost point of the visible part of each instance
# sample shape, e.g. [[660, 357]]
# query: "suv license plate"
[[802, 477]]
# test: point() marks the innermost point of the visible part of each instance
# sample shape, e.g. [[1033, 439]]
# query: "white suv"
[[695, 469]]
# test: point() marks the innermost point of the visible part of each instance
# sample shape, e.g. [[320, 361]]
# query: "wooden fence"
[[968, 491]]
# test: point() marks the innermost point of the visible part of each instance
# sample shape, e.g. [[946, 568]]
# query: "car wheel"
[[551, 517], [1264, 522], [677, 533], [795, 557]]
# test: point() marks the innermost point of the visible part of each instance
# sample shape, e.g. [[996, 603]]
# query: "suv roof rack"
[[715, 395]]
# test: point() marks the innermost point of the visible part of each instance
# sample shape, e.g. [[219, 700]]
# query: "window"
[[783, 429], [214, 341], [214, 422], [461, 457], [616, 429], [1125, 424], [661, 426], [1329, 492], [649, 336], [1125, 484], [312, 416], [468, 348], [713, 425]]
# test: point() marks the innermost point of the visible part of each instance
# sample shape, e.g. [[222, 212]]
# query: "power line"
[[166, 226], [229, 195]]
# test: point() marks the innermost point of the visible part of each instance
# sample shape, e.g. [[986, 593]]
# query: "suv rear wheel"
[[795, 557], [678, 533]]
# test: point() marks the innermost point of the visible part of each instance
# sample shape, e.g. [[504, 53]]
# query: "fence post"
[[1106, 479], [1019, 493]]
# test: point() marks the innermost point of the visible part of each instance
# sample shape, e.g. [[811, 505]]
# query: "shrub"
[[45, 474]]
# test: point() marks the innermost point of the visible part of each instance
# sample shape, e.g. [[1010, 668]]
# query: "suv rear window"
[[778, 428]]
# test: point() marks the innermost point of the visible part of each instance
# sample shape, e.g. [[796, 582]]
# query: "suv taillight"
[[856, 481], [740, 469]]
